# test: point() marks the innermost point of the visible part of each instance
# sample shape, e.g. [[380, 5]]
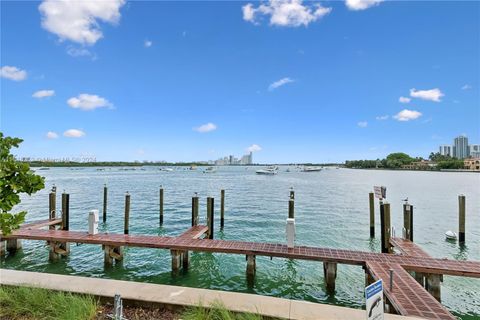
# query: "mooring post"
[[127, 213], [385, 225], [461, 218], [251, 267], [433, 285], [105, 192], [52, 206], [371, 201], [112, 254], [291, 208], [292, 193], [185, 260], [65, 211], [176, 261], [161, 206], [195, 210], [330, 274], [222, 208], [408, 221], [210, 217]]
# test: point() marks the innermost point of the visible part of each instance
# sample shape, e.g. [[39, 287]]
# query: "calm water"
[[331, 210]]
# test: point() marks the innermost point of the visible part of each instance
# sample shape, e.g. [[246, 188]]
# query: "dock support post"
[[210, 217], [408, 221], [292, 193], [195, 210], [420, 278], [222, 208], [433, 285], [161, 206], [52, 206], [330, 274], [385, 225], [461, 218], [291, 208], [105, 193], [185, 261], [13, 245], [127, 213], [112, 254], [65, 211], [2, 248], [371, 201], [176, 261], [251, 267], [58, 249]]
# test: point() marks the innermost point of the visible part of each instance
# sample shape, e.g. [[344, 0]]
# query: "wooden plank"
[[41, 223], [194, 232], [408, 247]]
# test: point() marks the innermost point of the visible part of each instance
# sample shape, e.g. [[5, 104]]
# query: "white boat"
[[312, 169], [166, 169], [268, 171], [210, 170], [450, 235]]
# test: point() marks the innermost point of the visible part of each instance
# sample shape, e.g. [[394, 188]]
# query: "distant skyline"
[[291, 81]]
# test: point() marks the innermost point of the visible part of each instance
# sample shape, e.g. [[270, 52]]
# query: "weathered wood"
[[13, 245], [52, 207], [161, 206], [433, 285], [292, 194], [105, 194], [58, 249], [65, 211], [112, 254], [185, 261], [330, 274], [461, 218], [371, 201], [222, 208], [408, 221], [176, 261], [291, 208], [210, 217], [195, 217], [127, 214], [251, 266], [385, 225]]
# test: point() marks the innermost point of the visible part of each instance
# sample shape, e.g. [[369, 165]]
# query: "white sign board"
[[374, 298], [380, 192]]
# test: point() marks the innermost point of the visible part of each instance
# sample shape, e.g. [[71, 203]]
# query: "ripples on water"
[[331, 210]]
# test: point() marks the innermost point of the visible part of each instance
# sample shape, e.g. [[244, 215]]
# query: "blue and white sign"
[[374, 300]]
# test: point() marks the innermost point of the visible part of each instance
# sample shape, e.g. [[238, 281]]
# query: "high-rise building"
[[474, 150], [461, 147], [446, 150]]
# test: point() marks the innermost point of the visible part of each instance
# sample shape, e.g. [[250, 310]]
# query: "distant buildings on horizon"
[[461, 149], [231, 160]]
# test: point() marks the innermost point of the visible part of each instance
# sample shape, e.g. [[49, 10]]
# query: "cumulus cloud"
[[467, 87], [362, 124], [205, 127], [254, 148], [404, 100], [286, 13], [51, 135], [361, 4], [78, 21], [385, 117], [280, 83], [407, 115], [74, 133], [88, 102], [432, 94], [147, 43], [13, 73], [43, 94]]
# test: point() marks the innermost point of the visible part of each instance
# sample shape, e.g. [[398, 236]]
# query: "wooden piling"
[[330, 274], [161, 206], [222, 208], [13, 245], [127, 213], [195, 210], [408, 221], [371, 201], [433, 285], [385, 225], [65, 211], [461, 218], [210, 217], [176, 261], [112, 254], [291, 208], [292, 194], [105, 192], [185, 261], [52, 207], [251, 267]]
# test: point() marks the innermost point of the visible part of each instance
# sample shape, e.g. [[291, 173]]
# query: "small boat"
[[268, 171], [43, 168], [450, 235], [210, 170], [166, 169], [312, 169], [193, 167]]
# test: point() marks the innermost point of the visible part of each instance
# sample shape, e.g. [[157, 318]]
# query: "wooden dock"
[[406, 297]]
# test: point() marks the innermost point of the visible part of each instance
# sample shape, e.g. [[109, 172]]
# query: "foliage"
[[437, 157], [34, 303], [392, 161], [451, 163], [15, 178], [217, 311], [398, 159]]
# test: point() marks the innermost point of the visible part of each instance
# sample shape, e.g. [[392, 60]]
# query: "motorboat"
[[210, 170], [268, 171], [450, 235], [166, 169], [312, 169]]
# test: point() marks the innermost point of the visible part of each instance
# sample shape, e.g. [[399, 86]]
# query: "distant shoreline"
[[423, 170], [38, 164]]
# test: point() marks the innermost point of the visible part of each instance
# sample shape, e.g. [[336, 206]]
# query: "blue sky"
[[302, 81]]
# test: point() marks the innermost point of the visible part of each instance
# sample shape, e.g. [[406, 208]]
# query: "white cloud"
[[13, 73], [52, 135], [362, 124], [361, 4], [80, 52], [286, 13], [43, 94], [74, 133], [206, 128], [432, 94], [147, 43], [254, 148], [467, 87], [280, 83], [404, 100], [88, 102], [407, 115], [385, 117], [78, 21]]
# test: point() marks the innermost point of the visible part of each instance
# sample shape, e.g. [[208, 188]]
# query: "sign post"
[[380, 192], [374, 300]]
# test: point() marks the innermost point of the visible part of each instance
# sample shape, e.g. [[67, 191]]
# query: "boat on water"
[[268, 171], [166, 169], [312, 169], [210, 170], [450, 235], [43, 168]]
